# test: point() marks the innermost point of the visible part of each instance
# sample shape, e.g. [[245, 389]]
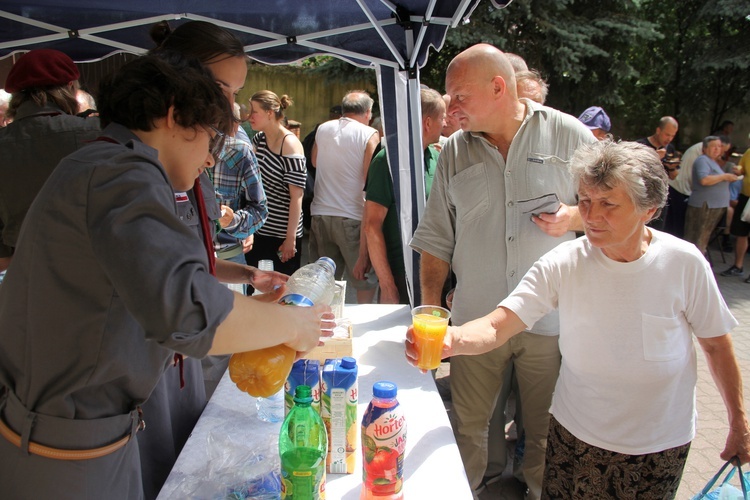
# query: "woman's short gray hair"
[[606, 164]]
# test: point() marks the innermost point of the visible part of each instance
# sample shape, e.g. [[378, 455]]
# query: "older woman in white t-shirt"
[[630, 299]]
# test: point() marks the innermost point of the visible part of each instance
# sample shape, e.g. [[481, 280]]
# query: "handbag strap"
[[743, 479], [709, 486], [735, 462]]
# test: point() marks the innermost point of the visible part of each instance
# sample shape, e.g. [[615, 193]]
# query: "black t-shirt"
[[669, 147]]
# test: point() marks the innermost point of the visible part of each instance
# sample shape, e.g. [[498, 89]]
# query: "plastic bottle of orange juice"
[[262, 373], [383, 445]]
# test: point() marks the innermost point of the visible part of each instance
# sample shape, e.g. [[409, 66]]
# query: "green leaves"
[[639, 59]]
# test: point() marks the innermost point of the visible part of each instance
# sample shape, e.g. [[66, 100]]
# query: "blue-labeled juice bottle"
[[303, 445], [383, 445]]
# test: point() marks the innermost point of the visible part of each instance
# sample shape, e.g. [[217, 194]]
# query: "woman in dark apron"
[[107, 283], [176, 403]]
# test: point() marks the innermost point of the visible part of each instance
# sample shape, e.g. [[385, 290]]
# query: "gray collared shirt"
[[472, 219]]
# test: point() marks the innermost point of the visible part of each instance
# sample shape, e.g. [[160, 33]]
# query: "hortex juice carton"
[[339, 411], [304, 372]]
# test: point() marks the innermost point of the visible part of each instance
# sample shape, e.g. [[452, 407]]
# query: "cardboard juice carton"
[[339, 411], [304, 372]]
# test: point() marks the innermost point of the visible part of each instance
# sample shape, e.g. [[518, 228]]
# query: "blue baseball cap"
[[595, 117]]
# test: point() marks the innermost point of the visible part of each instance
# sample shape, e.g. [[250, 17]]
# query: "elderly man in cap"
[[43, 105], [596, 119]]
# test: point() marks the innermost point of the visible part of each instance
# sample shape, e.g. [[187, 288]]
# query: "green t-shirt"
[[379, 189], [430, 164]]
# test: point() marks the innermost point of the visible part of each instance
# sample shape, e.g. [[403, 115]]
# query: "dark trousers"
[[674, 222]]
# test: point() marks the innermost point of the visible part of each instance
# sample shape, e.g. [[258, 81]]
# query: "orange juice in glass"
[[430, 325]]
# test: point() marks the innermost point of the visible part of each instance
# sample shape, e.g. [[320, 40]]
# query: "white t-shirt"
[[684, 180], [340, 175], [628, 372]]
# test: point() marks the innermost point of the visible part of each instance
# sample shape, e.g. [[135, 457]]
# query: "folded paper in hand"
[[545, 204]]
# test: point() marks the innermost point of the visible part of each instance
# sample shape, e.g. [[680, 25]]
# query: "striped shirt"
[[278, 173]]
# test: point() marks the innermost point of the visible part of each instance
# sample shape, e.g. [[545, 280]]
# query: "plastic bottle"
[[262, 373], [383, 445], [271, 409], [311, 284], [303, 446]]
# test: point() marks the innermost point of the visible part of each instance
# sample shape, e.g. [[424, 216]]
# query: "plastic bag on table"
[[235, 469]]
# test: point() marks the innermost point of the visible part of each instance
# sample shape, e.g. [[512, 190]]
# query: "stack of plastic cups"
[[269, 409], [263, 265]]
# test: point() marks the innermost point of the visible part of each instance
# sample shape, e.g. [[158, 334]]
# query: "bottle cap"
[[327, 261], [303, 394], [384, 389], [348, 363]]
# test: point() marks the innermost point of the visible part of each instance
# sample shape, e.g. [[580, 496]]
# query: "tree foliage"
[[580, 46], [639, 59], [703, 59]]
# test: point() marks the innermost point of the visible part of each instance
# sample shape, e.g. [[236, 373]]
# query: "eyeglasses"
[[216, 144]]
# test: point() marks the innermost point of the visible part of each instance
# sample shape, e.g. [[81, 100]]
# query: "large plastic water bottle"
[[262, 373], [271, 409], [311, 284]]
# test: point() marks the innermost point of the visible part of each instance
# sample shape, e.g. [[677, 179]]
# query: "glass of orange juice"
[[430, 325]]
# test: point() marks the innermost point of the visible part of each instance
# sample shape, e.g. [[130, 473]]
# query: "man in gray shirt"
[[477, 221], [710, 196]]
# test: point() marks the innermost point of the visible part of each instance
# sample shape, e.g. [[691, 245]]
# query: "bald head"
[[667, 120], [484, 61], [665, 131], [482, 88]]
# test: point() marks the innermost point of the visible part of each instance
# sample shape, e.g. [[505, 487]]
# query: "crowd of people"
[[598, 329], [133, 234]]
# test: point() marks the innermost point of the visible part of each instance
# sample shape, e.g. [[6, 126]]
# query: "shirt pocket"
[[188, 215], [547, 173], [227, 195], [470, 192], [663, 338]]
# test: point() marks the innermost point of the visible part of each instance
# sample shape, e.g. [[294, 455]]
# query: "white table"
[[432, 466]]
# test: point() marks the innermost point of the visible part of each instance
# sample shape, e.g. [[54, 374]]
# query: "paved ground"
[[703, 461]]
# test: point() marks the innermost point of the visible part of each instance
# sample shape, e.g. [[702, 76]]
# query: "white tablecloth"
[[432, 467]]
